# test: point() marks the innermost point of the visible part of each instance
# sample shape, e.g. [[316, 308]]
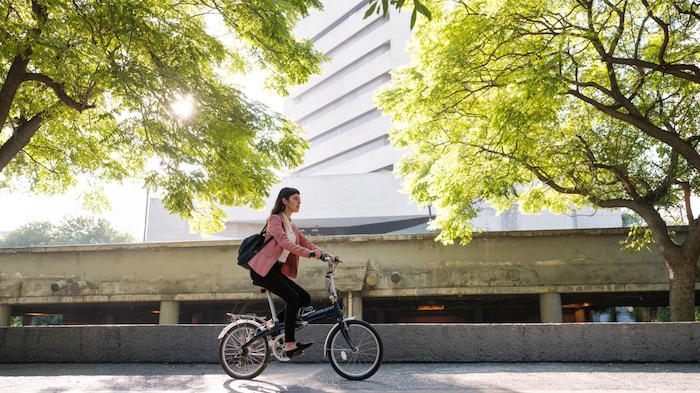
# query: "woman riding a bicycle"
[[250, 342], [276, 264]]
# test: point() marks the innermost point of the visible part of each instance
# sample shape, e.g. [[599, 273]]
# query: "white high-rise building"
[[346, 180], [348, 135]]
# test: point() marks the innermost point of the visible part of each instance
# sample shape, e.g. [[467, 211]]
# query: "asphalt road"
[[320, 377]]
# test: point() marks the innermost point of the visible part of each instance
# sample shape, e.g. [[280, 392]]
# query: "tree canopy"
[[71, 230], [550, 104], [87, 90]]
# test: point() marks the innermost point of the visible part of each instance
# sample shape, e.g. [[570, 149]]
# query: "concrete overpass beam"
[[169, 312], [5, 314], [550, 308]]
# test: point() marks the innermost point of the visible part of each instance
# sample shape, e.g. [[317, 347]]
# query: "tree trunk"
[[681, 258], [683, 276], [19, 139]]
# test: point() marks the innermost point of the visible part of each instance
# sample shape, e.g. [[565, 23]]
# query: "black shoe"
[[298, 350]]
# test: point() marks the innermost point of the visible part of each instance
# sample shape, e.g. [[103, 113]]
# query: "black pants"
[[293, 295]]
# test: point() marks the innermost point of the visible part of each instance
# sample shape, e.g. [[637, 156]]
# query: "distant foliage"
[[630, 219], [42, 320], [72, 230], [663, 314]]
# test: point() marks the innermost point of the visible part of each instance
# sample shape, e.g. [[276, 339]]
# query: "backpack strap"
[[263, 233]]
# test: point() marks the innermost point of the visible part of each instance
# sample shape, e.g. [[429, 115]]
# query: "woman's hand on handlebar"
[[330, 258]]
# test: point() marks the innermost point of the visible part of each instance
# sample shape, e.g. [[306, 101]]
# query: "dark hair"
[[285, 193]]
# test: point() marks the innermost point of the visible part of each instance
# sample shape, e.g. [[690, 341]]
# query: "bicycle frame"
[[333, 310]]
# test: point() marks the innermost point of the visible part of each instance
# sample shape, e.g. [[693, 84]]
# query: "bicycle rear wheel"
[[363, 358], [239, 362]]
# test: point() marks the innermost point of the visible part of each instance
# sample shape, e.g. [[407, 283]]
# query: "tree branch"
[[687, 72], [684, 148], [58, 89], [685, 186], [664, 27]]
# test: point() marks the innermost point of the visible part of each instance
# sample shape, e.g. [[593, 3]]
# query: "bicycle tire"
[[357, 364], [239, 363]]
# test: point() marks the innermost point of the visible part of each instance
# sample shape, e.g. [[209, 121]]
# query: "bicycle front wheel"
[[239, 362], [360, 358]]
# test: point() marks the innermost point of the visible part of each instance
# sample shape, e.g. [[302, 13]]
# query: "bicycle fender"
[[234, 324], [327, 343]]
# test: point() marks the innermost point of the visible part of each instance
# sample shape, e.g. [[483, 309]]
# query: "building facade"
[[347, 133]]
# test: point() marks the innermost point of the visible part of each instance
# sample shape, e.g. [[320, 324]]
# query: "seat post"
[[273, 310], [264, 290]]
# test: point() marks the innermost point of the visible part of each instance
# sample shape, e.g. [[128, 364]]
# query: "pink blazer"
[[266, 258]]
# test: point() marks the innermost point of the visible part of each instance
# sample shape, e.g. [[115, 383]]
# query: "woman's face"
[[292, 203]]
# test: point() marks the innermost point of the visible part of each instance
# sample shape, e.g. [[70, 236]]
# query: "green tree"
[[553, 104], [89, 230], [35, 233], [16, 321], [71, 230], [87, 89]]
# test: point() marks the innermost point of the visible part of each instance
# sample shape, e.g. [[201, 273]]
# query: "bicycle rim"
[[242, 363], [362, 361]]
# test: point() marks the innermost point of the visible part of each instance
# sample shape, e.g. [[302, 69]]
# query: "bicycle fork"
[[346, 335], [342, 325]]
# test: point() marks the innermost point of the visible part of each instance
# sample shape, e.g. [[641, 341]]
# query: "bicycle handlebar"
[[326, 257]]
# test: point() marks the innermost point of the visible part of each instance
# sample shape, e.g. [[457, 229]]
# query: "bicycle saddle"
[[257, 284]]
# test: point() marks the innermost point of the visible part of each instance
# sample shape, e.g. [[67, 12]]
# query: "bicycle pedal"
[[305, 311], [300, 324], [270, 323]]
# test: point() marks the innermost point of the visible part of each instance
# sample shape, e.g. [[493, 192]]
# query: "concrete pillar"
[[352, 305], [169, 312], [357, 305], [347, 305], [550, 308], [5, 314]]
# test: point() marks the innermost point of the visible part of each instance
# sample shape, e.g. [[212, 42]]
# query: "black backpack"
[[250, 246]]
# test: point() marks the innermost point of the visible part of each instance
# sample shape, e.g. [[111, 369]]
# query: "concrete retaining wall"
[[581, 342]]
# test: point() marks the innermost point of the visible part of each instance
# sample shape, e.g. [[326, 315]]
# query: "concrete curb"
[[449, 343]]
